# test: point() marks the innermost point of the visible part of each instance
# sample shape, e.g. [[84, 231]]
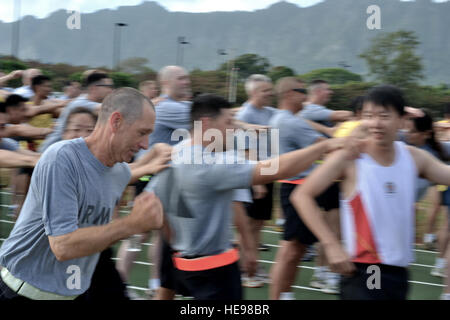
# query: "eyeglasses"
[[301, 90]]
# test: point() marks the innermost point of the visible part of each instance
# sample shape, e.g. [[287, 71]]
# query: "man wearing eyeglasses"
[[98, 86]]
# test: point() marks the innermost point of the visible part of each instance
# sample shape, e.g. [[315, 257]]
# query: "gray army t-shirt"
[[197, 198], [294, 133], [69, 189]]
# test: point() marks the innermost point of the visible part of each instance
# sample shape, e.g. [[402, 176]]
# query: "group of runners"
[[347, 183]]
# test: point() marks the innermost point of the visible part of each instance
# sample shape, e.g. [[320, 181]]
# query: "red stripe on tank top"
[[366, 250]]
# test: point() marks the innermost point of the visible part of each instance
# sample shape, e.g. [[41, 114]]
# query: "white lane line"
[[277, 246], [427, 283]]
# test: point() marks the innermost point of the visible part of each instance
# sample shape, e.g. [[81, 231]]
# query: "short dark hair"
[[2, 107], [387, 96], [356, 104], [95, 77], [447, 109], [208, 105], [317, 81], [13, 100], [38, 80]]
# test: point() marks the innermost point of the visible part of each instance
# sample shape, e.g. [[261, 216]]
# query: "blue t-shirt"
[[9, 144], [70, 189], [56, 135], [317, 113], [170, 115], [260, 116], [295, 133]]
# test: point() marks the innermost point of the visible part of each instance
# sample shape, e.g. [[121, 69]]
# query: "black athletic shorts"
[[393, 283], [166, 268], [27, 171], [140, 186], [106, 283], [294, 227], [222, 283], [261, 209]]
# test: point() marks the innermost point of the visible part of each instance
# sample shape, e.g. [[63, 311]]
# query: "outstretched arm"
[[14, 159], [430, 167], [291, 163]]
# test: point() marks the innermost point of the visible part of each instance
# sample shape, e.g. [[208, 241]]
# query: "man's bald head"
[[174, 82], [168, 73]]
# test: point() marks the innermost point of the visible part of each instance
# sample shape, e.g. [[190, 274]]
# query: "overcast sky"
[[42, 8]]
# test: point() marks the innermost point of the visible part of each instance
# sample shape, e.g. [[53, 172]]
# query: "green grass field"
[[423, 286]]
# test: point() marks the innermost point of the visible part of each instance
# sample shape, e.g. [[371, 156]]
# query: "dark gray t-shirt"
[[69, 189], [197, 198], [295, 133]]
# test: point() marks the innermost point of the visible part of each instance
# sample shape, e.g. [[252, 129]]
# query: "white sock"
[[287, 296], [440, 263], [320, 271], [154, 283]]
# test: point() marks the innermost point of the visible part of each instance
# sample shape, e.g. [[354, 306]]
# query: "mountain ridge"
[[302, 38]]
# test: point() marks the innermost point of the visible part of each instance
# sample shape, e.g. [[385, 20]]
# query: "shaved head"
[[286, 84], [169, 73], [174, 82]]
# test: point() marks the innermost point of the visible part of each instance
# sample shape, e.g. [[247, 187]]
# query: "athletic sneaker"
[[439, 269], [287, 296], [430, 241], [252, 282], [318, 280], [262, 275], [331, 283], [309, 254], [133, 295]]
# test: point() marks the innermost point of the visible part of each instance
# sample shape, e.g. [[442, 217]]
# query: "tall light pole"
[[116, 45], [15, 30], [221, 52], [180, 42]]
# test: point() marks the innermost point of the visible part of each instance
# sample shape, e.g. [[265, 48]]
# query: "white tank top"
[[378, 221]]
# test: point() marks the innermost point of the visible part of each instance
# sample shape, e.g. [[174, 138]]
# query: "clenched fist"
[[147, 213]]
